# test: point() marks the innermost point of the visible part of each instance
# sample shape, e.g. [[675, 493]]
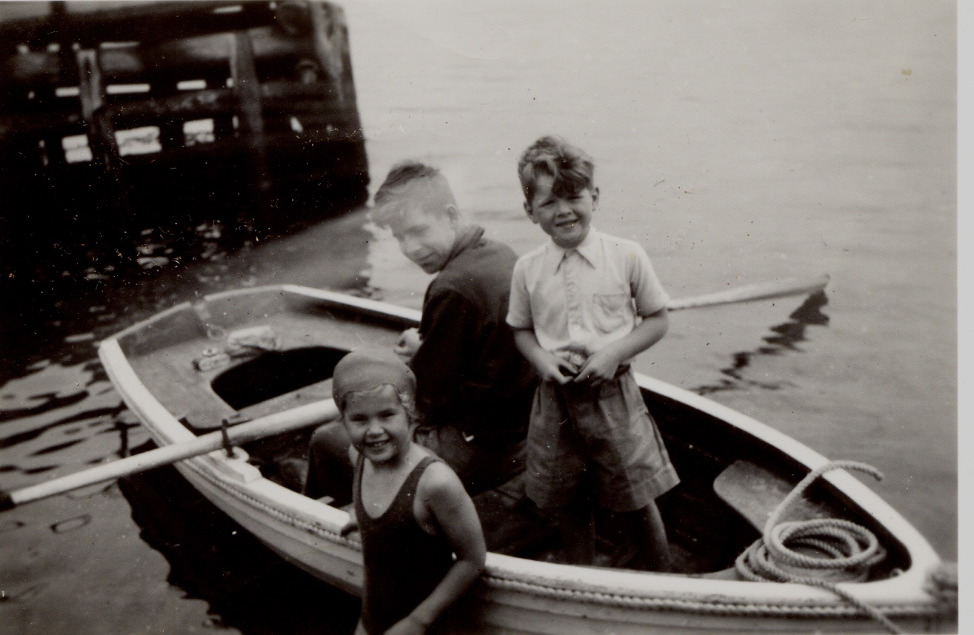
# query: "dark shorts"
[[479, 465], [600, 440]]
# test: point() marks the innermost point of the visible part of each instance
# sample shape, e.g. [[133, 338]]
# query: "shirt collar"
[[588, 249]]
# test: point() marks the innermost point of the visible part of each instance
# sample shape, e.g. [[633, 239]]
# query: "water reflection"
[[247, 586], [58, 299], [57, 407], [784, 337], [57, 415]]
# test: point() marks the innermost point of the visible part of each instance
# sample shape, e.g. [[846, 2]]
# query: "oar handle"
[[758, 291], [300, 417]]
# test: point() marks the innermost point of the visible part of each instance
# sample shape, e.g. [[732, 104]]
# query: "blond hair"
[[412, 180]]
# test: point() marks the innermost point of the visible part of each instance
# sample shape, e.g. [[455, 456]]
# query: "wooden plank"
[[754, 493], [310, 103], [93, 22], [185, 57]]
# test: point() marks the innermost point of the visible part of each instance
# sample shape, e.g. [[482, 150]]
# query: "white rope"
[[844, 551]]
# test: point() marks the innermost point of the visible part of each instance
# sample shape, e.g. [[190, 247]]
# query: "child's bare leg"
[[576, 526], [647, 533]]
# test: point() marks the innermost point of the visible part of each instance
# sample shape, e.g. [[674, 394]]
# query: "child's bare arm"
[[449, 507], [350, 525], [549, 366], [602, 364]]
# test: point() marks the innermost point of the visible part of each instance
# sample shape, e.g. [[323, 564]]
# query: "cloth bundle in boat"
[[367, 369], [255, 338]]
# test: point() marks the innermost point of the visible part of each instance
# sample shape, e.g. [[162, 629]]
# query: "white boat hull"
[[518, 595]]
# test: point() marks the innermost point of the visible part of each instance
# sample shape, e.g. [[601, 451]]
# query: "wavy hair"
[[570, 167]]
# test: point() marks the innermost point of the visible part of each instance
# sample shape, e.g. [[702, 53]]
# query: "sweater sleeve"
[[447, 330]]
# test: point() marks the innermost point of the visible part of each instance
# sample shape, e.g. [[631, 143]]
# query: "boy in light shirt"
[[582, 306]]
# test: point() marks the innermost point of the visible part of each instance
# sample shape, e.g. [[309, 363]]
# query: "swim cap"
[[364, 370]]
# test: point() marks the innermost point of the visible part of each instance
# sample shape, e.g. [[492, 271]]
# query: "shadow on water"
[[57, 406], [58, 415], [57, 297], [784, 337], [62, 296], [247, 586]]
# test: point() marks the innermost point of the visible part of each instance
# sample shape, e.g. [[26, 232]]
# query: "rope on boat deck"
[[845, 551]]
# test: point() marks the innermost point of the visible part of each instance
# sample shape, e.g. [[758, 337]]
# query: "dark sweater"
[[469, 372]]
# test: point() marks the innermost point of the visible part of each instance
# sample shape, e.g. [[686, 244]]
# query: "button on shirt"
[[579, 300]]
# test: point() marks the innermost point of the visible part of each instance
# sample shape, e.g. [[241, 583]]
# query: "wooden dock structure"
[[149, 110]]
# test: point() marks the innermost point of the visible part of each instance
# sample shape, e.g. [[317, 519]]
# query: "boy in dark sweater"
[[475, 389]]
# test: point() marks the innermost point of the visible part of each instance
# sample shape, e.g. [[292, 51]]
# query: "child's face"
[[426, 239], [377, 423], [565, 217]]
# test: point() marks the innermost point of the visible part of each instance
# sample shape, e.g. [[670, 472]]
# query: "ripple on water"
[[57, 418]]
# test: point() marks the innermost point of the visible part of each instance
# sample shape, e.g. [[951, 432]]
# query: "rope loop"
[[818, 552]]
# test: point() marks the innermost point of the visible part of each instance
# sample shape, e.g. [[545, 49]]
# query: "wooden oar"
[[322, 411], [300, 417], [757, 291]]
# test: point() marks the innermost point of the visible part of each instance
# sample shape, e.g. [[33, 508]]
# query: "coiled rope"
[[819, 552]]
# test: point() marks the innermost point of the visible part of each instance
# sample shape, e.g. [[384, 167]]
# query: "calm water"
[[739, 142]]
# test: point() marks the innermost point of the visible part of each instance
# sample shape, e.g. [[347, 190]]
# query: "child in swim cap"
[[422, 542]]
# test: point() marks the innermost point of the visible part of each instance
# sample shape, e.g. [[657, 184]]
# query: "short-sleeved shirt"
[[579, 300]]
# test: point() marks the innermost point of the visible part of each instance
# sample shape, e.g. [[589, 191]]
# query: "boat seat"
[[754, 493]]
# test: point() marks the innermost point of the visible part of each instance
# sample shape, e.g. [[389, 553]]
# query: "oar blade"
[[752, 292], [277, 423]]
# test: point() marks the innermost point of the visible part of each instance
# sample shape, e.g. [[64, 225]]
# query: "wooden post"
[[329, 48], [101, 131], [170, 127], [251, 117], [101, 136], [330, 40], [53, 153]]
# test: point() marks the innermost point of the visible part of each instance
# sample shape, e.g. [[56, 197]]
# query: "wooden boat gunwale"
[[510, 580]]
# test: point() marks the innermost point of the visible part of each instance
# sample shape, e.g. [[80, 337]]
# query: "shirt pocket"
[[610, 310]]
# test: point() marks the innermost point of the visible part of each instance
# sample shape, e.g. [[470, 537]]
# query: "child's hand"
[[553, 368], [350, 526], [600, 367], [407, 345], [407, 626]]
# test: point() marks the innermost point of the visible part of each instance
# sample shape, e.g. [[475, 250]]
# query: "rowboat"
[[252, 367]]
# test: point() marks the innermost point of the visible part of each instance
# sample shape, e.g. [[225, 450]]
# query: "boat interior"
[[241, 357]]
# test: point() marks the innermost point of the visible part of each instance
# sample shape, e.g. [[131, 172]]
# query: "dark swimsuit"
[[403, 563]]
